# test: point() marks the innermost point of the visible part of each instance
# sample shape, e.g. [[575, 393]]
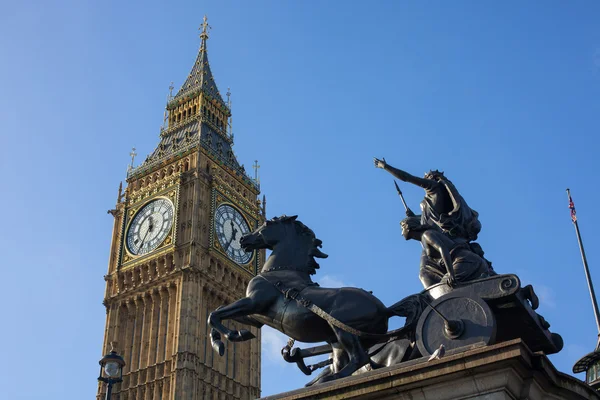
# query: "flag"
[[572, 208]]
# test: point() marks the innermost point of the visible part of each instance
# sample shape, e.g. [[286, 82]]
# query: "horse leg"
[[356, 355], [249, 321], [240, 308], [326, 372], [340, 358]]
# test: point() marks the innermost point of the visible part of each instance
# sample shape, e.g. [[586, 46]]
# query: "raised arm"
[[426, 184]]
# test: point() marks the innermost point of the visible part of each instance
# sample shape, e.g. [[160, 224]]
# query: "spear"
[[409, 212], [585, 264]]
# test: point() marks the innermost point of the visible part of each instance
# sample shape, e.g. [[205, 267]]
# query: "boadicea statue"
[[465, 303]]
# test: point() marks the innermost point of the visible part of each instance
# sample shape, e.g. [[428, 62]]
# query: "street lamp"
[[111, 370]]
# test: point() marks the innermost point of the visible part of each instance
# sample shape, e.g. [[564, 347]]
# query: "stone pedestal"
[[506, 370]]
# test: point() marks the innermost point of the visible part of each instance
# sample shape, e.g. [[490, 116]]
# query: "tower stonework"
[[175, 255]]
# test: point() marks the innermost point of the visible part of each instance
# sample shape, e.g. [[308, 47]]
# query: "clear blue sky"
[[502, 96]]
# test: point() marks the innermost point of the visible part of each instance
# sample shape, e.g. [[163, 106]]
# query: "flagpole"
[[585, 264]]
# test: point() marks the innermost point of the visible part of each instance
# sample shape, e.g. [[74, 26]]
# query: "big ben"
[[175, 255]]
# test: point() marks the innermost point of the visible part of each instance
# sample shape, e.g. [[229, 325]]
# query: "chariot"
[[354, 323], [480, 312]]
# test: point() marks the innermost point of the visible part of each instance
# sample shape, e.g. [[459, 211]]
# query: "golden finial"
[[256, 167], [204, 27], [132, 154]]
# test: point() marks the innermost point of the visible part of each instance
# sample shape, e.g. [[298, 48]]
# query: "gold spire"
[[230, 119], [256, 167], [165, 115], [132, 154], [204, 34]]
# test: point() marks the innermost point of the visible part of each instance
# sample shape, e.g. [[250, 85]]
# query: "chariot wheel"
[[469, 320]]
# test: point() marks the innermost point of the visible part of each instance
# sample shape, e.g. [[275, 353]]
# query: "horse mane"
[[303, 230]]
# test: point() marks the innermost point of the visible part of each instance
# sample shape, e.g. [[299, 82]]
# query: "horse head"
[[286, 235]]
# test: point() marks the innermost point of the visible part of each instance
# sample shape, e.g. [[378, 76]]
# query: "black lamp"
[[111, 370]]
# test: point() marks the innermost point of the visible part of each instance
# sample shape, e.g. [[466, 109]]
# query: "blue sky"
[[502, 96]]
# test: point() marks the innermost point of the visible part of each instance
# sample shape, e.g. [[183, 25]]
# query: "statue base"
[[507, 370]]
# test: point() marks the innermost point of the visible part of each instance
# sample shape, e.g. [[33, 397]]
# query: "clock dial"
[[150, 227], [230, 226]]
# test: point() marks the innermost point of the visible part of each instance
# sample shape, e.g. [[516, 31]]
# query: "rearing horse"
[[290, 266]]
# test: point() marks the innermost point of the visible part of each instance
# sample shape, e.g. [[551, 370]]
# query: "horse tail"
[[409, 307]]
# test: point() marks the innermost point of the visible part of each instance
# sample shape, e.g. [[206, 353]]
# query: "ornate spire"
[[132, 154], [204, 34], [256, 167], [200, 77]]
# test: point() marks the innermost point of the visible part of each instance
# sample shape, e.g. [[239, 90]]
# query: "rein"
[[286, 268], [295, 294]]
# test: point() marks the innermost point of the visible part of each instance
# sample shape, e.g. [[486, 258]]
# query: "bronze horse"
[[355, 319]]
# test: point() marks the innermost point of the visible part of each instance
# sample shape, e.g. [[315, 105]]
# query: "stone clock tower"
[[175, 255]]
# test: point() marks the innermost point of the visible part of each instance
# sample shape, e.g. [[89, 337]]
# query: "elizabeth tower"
[[175, 255]]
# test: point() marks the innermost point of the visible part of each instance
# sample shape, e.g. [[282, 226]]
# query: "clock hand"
[[144, 239], [235, 231], [150, 226]]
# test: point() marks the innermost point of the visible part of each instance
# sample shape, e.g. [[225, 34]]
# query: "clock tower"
[[175, 255]]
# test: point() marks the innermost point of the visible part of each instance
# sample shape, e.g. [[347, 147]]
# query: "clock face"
[[150, 227], [230, 226]]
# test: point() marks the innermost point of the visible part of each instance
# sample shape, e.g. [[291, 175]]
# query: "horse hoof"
[[219, 347], [246, 334]]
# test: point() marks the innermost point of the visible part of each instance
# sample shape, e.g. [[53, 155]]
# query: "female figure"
[[460, 262], [443, 209], [442, 205]]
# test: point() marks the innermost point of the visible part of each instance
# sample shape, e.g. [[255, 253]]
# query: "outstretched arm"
[[433, 239], [405, 176]]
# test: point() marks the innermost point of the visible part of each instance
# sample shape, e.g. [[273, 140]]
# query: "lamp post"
[[111, 370]]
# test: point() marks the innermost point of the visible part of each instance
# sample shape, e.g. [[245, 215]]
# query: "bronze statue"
[[460, 262], [444, 209], [469, 309], [442, 206], [284, 297]]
